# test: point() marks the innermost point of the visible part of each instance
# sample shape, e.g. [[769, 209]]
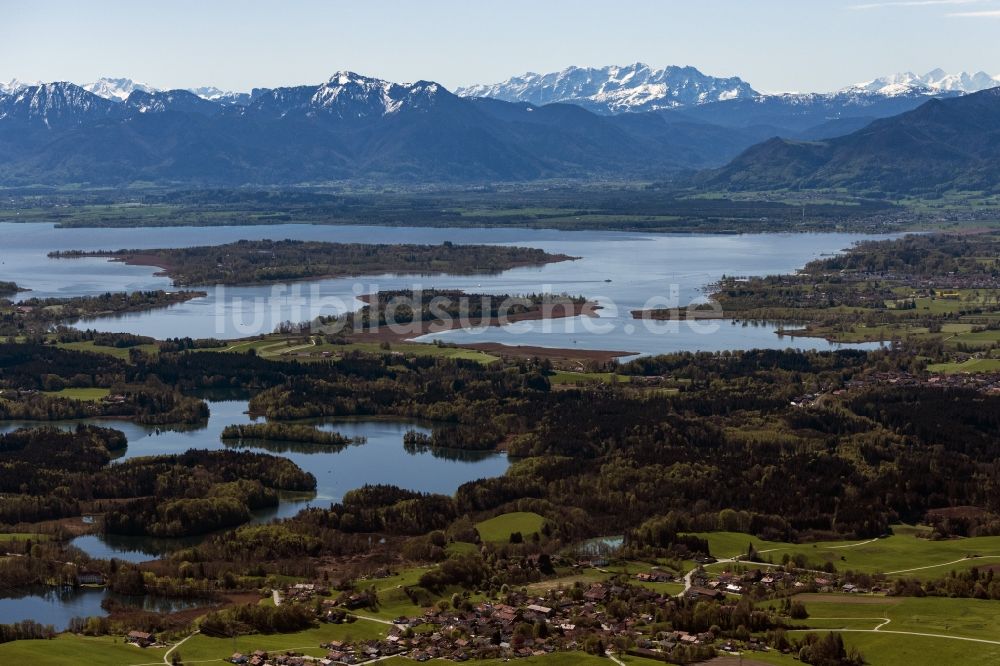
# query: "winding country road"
[[884, 621], [945, 564], [166, 655]]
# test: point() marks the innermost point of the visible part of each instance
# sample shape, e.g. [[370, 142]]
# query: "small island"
[[284, 432], [267, 261]]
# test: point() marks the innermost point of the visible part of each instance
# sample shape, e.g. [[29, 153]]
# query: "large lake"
[[623, 271]]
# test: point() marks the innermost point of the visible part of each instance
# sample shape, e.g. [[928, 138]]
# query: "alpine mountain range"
[[581, 123]]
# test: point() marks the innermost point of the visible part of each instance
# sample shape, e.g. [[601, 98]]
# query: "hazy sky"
[[776, 45]]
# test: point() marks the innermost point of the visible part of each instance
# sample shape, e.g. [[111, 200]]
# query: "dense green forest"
[[604, 451]]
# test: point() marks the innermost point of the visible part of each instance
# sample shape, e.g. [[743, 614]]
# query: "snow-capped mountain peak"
[[14, 84], [616, 88], [352, 94], [346, 95], [932, 83], [54, 104], [116, 89], [219, 96]]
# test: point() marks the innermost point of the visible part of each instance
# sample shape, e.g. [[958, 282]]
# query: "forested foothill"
[[657, 207]]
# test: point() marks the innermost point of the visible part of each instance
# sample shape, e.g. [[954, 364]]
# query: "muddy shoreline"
[[556, 310]]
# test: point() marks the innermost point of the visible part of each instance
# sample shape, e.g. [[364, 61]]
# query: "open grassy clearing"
[[411, 349], [203, 648], [72, 650], [22, 536], [87, 394], [971, 365], [903, 650], [966, 618], [117, 352], [857, 617], [461, 548], [500, 528], [393, 602], [277, 347], [573, 378], [985, 338], [900, 554]]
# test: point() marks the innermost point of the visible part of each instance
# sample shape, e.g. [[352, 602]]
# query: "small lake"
[[380, 460], [57, 606], [622, 271]]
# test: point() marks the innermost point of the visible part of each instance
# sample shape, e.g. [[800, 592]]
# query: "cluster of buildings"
[[565, 620], [524, 626], [764, 582], [985, 382], [141, 638]]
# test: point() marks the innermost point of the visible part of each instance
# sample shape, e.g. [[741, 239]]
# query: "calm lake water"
[[57, 606], [623, 271], [380, 460]]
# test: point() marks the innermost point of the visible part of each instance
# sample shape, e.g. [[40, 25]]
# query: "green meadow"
[[501, 527], [902, 553], [927, 631], [86, 394], [277, 346], [117, 352]]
